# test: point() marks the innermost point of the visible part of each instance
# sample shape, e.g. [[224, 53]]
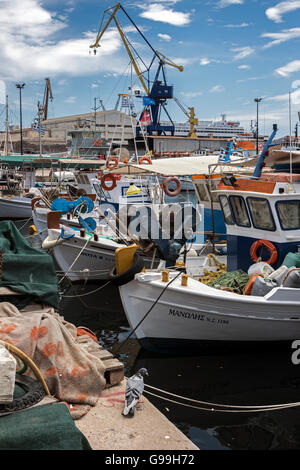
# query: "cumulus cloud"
[[244, 67], [275, 13], [191, 94], [289, 68], [241, 25], [216, 89], [2, 92], [242, 52], [165, 14], [71, 99], [227, 3], [164, 37], [28, 48], [282, 36]]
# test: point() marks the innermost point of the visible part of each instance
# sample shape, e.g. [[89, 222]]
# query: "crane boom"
[[47, 95], [160, 91]]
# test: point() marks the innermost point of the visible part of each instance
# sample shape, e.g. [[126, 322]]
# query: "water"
[[250, 377]]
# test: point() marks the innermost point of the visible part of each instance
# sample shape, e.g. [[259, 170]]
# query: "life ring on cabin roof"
[[168, 191], [105, 179], [112, 163], [272, 249], [145, 159]]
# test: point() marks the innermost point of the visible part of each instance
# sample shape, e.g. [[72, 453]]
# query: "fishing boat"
[[262, 215]]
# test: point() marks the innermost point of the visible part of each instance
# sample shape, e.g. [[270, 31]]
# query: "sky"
[[232, 51]]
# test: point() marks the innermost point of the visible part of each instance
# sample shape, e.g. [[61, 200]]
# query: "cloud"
[[295, 97], [242, 25], [242, 52], [275, 13], [165, 14], [217, 89], [28, 50], [191, 94], [244, 67], [164, 37], [205, 61], [2, 92], [227, 3], [282, 36], [71, 99], [289, 68]]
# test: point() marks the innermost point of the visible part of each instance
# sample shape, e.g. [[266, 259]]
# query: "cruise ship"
[[216, 129]]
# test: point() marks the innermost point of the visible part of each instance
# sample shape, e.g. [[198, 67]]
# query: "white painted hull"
[[198, 313], [15, 207], [94, 261], [40, 222]]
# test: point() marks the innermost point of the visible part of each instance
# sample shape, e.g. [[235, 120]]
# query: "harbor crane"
[[193, 121], [157, 92], [47, 94]]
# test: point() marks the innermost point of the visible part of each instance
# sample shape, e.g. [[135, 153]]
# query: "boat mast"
[[290, 123], [6, 128]]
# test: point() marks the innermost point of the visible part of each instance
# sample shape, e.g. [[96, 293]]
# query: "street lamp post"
[[20, 87], [257, 100]]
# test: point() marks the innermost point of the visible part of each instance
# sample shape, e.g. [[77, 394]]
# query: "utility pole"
[[20, 87], [257, 100]]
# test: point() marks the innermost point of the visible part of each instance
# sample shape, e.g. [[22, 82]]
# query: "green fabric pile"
[[235, 280], [25, 269], [44, 427]]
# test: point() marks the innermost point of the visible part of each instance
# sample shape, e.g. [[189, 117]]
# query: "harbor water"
[[254, 376]]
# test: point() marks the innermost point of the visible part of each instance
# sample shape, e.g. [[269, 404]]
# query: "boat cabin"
[[262, 218]]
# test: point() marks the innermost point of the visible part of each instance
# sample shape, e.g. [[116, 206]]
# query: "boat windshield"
[[240, 211], [226, 210], [289, 214], [261, 213]]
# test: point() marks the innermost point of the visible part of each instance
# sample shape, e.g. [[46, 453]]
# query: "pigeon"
[[133, 392]]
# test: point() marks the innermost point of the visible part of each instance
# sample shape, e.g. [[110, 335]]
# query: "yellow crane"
[[160, 91]]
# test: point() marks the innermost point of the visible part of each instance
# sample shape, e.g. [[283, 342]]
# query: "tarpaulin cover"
[[25, 269], [47, 427], [73, 374]]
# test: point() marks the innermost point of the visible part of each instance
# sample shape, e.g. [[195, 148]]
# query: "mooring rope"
[[70, 267], [220, 405], [85, 294], [236, 410]]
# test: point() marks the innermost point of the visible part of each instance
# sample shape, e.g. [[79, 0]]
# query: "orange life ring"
[[108, 177], [96, 143], [272, 249], [145, 159], [177, 190], [115, 162], [249, 285]]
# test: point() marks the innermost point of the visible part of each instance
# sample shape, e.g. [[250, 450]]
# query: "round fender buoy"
[[272, 250], [112, 163], [168, 191], [105, 179], [145, 159]]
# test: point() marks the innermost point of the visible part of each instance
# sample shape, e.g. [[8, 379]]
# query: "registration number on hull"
[[197, 316]]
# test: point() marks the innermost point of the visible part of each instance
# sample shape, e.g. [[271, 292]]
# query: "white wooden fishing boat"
[[260, 215]]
